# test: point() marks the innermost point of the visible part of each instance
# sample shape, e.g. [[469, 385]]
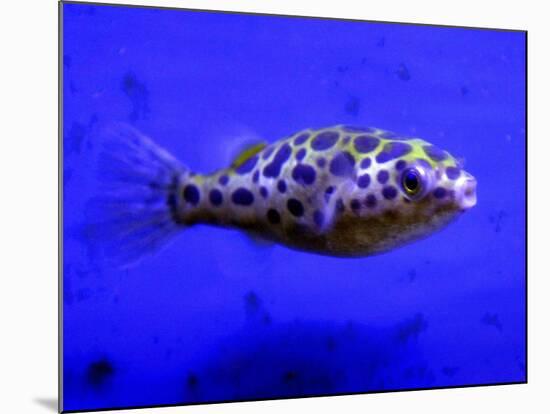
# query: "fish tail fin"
[[135, 210]]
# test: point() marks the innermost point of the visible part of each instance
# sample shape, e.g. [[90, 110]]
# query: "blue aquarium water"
[[218, 315]]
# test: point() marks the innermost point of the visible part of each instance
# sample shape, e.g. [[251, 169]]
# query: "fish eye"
[[411, 182]]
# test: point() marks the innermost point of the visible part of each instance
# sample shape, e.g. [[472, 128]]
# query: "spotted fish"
[[339, 191]]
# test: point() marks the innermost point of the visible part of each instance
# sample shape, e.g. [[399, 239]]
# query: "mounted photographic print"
[[260, 207]]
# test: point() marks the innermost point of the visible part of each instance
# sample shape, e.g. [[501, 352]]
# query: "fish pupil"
[[411, 182]]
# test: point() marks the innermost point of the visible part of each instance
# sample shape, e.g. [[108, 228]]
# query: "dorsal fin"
[[248, 153]]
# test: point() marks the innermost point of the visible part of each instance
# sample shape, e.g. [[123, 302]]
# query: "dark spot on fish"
[[321, 162], [263, 192], [295, 207], [300, 139], [355, 204], [99, 372], [223, 180], [273, 216], [216, 197], [301, 154], [452, 173], [138, 94], [439, 192], [281, 186], [289, 376], [371, 201], [363, 181], [191, 194], [304, 174], [328, 192], [256, 176], [324, 140], [434, 153], [383, 176], [243, 197], [401, 164], [365, 143], [389, 192], [403, 72], [342, 165], [273, 169], [365, 163]]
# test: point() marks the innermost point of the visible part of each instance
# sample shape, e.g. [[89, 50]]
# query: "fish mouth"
[[467, 194]]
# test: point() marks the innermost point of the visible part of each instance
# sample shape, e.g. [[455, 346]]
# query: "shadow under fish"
[[301, 358]]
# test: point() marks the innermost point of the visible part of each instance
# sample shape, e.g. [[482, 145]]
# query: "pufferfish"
[[340, 191]]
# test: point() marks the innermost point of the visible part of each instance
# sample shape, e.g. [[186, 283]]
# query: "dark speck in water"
[[99, 372], [381, 42], [353, 106], [254, 309], [403, 72], [342, 68], [449, 371], [74, 138], [83, 294], [464, 90], [492, 319], [67, 61], [411, 328], [289, 376], [420, 372], [497, 219], [192, 381], [252, 303], [67, 175], [331, 344], [138, 94]]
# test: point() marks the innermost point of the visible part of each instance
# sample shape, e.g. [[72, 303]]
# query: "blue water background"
[[218, 316]]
